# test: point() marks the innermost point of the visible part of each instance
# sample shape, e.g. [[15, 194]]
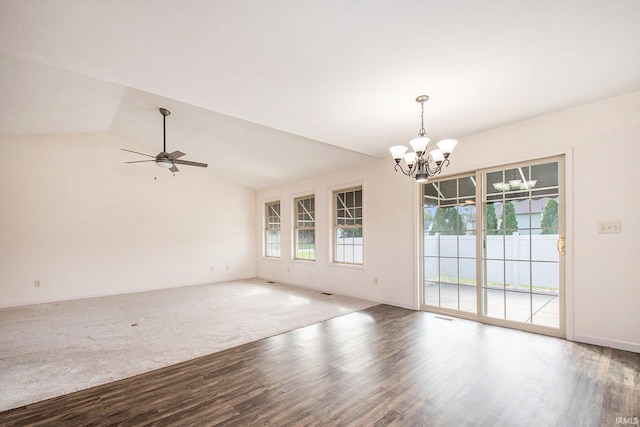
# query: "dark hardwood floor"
[[380, 366]]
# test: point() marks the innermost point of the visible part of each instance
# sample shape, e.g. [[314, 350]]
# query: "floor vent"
[[448, 319], [326, 293], [270, 281]]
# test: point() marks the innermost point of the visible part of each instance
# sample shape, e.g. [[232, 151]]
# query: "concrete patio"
[[539, 308]]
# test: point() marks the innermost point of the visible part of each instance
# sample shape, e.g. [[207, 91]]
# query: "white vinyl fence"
[[349, 250], [515, 260]]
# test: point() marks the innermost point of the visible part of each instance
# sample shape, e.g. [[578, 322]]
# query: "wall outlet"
[[609, 227], [375, 280], [212, 268], [36, 283]]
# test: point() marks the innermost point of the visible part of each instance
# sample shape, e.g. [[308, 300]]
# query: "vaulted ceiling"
[[270, 91]]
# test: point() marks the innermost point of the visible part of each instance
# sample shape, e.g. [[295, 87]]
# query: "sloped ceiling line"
[[291, 80]]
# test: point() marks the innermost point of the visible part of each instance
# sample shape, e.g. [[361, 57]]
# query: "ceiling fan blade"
[[188, 163], [174, 169], [176, 154], [142, 161], [131, 151]]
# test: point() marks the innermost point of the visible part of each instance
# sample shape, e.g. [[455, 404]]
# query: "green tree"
[[351, 232], [509, 222], [492, 219], [448, 221], [427, 218], [550, 218]]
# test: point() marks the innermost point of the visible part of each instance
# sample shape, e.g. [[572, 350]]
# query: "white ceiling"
[[269, 91]]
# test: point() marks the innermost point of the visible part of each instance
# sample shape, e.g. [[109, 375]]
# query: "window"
[[272, 230], [347, 227], [305, 233]]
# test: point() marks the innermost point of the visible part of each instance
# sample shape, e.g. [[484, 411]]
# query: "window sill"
[[347, 266]]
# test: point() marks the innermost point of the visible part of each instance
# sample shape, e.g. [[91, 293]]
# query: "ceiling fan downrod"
[[163, 159], [164, 113]]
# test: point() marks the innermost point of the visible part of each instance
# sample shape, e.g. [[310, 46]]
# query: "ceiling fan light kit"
[[420, 165], [164, 163], [163, 159]]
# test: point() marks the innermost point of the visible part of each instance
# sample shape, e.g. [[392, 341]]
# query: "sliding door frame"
[[565, 329]]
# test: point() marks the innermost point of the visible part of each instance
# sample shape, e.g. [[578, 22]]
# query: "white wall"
[[75, 217], [602, 277], [602, 140], [389, 249]]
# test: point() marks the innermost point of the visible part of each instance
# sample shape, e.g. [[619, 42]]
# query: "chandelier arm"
[[443, 164], [409, 172], [433, 168]]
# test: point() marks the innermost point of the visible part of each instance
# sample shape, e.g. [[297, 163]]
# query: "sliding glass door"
[[492, 245], [449, 235], [520, 257]]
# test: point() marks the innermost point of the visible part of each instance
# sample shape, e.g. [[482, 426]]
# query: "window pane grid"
[[520, 233], [348, 238], [449, 224], [273, 240], [305, 229]]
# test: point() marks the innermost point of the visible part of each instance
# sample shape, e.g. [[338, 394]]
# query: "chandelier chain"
[[422, 131]]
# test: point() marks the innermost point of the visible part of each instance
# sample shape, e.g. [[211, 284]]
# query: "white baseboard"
[[346, 294], [110, 294], [607, 342], [392, 302]]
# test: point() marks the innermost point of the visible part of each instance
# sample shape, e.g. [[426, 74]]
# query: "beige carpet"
[[51, 349]]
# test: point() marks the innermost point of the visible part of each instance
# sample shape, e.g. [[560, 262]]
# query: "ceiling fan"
[[163, 159]]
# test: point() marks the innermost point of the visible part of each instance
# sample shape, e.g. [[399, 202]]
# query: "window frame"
[[487, 193], [308, 229], [269, 245], [358, 233]]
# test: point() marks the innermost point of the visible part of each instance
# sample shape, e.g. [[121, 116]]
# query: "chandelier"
[[419, 164]]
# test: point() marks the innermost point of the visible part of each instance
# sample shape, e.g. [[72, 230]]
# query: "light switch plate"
[[609, 227]]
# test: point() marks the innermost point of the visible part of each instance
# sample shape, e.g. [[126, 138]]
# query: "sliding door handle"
[[561, 244]]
